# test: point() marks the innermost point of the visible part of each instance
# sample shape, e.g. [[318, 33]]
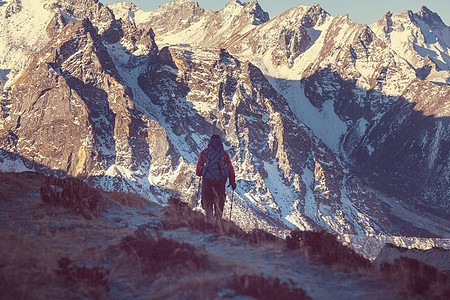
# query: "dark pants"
[[213, 198]]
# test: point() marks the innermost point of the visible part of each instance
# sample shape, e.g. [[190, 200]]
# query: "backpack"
[[215, 168]]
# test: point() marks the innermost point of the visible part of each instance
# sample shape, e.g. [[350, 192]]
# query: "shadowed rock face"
[[101, 102]]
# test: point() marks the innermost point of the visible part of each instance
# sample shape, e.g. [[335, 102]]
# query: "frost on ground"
[[127, 248]]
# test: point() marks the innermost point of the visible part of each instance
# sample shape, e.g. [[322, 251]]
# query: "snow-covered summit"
[[235, 8], [23, 25], [420, 38], [129, 12], [185, 22], [26, 26], [430, 17]]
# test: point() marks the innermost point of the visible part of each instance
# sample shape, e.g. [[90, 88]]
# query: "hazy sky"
[[360, 11]]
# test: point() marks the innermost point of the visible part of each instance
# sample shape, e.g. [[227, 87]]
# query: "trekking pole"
[[231, 208], [198, 190]]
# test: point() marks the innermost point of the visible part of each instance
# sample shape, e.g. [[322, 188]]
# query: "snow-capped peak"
[[429, 17], [421, 38], [22, 32], [129, 12], [181, 1], [236, 8]]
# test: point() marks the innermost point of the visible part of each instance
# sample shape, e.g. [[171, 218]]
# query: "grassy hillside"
[[64, 239]]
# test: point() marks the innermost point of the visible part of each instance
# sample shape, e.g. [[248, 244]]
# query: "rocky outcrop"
[[179, 15], [421, 38], [73, 93], [100, 15], [285, 38], [13, 7]]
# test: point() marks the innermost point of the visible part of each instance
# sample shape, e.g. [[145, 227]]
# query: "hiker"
[[214, 165]]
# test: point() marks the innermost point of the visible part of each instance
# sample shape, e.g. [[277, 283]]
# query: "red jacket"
[[201, 162]]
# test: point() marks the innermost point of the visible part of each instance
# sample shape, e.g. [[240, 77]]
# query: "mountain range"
[[330, 124]]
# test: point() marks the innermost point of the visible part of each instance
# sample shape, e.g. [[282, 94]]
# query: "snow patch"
[[9, 165], [435, 144], [325, 123], [21, 34], [311, 206]]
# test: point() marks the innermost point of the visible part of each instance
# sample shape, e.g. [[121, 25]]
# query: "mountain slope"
[[371, 99], [29, 25], [262, 135], [22, 23], [317, 113], [351, 86], [51, 251], [140, 128]]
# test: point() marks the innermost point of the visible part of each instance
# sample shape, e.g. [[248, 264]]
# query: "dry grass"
[[31, 262], [36, 235], [158, 254], [178, 214], [416, 279], [109, 260], [127, 199], [264, 288], [71, 193], [81, 278], [37, 242], [200, 284], [18, 185], [327, 249], [28, 267]]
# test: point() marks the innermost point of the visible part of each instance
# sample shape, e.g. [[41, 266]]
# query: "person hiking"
[[214, 165]]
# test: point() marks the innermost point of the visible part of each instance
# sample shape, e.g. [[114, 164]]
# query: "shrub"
[[263, 288], [8, 290], [178, 214], [260, 236], [159, 254], [326, 247], [87, 277], [71, 193], [417, 278], [128, 199]]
